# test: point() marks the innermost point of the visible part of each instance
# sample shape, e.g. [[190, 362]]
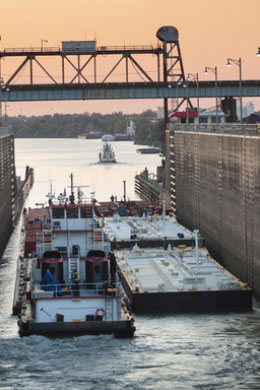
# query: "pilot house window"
[[73, 212], [85, 212], [57, 212]]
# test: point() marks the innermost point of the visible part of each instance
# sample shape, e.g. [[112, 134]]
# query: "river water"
[[167, 352]]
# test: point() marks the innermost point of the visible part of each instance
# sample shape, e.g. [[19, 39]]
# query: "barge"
[[165, 268], [182, 279], [149, 230]]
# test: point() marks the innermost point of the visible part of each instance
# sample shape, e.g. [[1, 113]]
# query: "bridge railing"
[[58, 49], [221, 128], [31, 50], [4, 131]]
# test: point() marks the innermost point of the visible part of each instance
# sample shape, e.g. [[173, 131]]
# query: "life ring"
[[101, 312]]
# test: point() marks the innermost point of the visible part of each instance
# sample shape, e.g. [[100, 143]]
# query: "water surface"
[[168, 352]]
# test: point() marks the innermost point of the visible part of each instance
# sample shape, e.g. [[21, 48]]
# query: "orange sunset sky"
[[209, 32]]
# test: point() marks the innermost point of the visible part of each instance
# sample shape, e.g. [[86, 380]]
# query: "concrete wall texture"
[[7, 189], [218, 191]]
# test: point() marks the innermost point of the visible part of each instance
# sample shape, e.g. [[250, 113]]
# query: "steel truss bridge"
[[79, 78]]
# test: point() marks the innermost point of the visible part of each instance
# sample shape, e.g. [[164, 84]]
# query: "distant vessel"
[[67, 282], [108, 138], [107, 155], [148, 150]]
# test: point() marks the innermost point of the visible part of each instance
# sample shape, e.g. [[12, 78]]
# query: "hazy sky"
[[210, 31]]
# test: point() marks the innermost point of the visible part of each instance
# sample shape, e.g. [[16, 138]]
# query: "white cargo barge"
[[148, 231], [178, 280]]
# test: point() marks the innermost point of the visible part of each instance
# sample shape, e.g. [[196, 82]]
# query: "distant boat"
[[107, 155], [108, 138], [148, 150]]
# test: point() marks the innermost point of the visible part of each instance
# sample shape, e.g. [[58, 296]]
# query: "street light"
[[186, 85], [196, 78], [239, 64], [214, 70], [42, 41], [6, 105]]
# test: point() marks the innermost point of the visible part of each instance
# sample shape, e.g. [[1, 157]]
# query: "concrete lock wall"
[[217, 191], [7, 189]]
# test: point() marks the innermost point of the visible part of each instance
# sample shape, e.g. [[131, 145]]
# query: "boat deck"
[[158, 280], [152, 230], [175, 270]]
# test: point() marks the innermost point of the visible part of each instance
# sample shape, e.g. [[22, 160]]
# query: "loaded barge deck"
[[148, 230], [165, 268], [179, 280]]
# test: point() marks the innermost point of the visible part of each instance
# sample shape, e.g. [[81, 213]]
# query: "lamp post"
[[239, 64], [42, 41], [5, 101], [186, 85], [214, 70], [196, 78]]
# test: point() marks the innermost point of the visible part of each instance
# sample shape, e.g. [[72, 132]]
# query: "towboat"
[[107, 155], [67, 283]]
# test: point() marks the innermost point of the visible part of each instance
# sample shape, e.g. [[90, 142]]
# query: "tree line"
[[149, 130]]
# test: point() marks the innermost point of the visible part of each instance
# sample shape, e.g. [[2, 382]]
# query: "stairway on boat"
[[74, 266]]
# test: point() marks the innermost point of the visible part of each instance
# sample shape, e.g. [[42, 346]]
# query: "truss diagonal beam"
[[140, 68], [17, 71], [76, 69], [112, 70], [81, 69], [48, 74]]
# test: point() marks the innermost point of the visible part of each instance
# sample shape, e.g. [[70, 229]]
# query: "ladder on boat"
[[109, 309], [74, 266]]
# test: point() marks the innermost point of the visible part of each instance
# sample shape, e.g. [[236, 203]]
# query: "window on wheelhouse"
[[86, 212], [73, 212], [57, 212]]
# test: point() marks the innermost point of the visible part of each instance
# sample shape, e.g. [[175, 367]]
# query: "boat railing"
[[59, 290]]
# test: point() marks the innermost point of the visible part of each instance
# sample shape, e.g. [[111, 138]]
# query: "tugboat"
[[107, 155], [69, 279]]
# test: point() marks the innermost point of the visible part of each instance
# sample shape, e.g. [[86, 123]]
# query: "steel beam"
[[110, 91]]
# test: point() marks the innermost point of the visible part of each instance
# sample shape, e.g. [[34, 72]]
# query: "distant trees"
[[148, 129]]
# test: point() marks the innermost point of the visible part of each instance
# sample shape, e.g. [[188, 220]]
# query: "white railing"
[[220, 128], [74, 289]]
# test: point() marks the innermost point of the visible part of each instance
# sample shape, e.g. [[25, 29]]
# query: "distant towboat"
[[107, 155]]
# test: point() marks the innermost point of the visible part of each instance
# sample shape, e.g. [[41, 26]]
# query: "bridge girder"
[[75, 60], [110, 91]]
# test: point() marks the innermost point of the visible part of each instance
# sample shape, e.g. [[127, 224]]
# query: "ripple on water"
[[179, 352]]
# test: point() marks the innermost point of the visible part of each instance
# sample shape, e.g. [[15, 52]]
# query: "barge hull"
[[191, 302], [58, 329]]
